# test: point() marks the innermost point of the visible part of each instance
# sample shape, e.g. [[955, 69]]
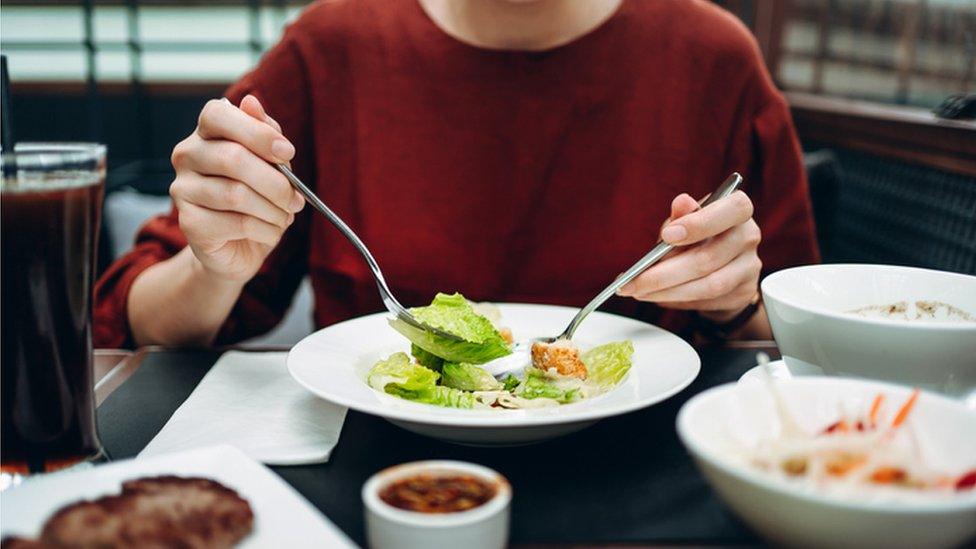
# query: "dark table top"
[[625, 480]]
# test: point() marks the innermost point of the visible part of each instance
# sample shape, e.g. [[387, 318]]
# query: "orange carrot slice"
[[875, 408], [902, 414], [888, 475], [844, 463], [837, 427]]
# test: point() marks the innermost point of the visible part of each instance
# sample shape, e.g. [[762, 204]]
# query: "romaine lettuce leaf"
[[489, 311], [511, 382], [452, 313], [426, 359], [607, 364], [440, 395], [468, 377], [398, 376], [398, 371], [538, 384]]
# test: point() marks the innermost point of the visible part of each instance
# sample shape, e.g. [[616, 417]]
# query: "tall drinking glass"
[[50, 208]]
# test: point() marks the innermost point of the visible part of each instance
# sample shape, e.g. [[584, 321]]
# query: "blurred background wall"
[[891, 182]]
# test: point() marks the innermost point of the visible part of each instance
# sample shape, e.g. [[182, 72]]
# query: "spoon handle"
[[725, 189]]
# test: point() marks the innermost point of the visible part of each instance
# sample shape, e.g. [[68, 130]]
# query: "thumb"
[[682, 205]]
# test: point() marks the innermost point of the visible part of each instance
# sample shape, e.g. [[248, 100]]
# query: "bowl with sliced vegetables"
[[440, 387], [836, 462]]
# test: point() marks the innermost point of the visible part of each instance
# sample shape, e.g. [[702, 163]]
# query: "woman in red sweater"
[[510, 150]]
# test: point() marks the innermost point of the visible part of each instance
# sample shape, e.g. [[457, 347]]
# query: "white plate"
[[333, 364], [282, 517], [782, 370]]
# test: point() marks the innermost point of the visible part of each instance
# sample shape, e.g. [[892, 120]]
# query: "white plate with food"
[[838, 462], [615, 365], [212, 496]]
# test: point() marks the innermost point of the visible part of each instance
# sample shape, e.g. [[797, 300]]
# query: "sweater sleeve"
[[782, 202], [278, 82]]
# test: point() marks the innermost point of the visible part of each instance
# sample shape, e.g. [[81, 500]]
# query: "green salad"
[[446, 372]]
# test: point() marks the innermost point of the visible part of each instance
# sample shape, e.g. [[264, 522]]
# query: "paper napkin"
[[249, 401]]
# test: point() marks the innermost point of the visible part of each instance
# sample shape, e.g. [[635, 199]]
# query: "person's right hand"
[[233, 205]]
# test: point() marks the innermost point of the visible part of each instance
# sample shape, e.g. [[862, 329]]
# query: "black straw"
[[7, 135], [6, 124]]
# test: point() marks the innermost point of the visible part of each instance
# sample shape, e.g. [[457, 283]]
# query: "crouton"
[[560, 356]]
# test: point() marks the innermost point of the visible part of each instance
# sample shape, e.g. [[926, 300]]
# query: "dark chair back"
[[871, 209]]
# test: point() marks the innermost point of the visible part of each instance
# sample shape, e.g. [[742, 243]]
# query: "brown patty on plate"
[[165, 511]]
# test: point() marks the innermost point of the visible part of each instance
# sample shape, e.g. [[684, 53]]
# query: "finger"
[[219, 119], [682, 205], [255, 109], [742, 269], [710, 221], [251, 104], [694, 263], [220, 193], [213, 228], [274, 123], [731, 302], [234, 161]]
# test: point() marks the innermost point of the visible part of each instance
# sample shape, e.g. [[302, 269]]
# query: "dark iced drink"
[[51, 206]]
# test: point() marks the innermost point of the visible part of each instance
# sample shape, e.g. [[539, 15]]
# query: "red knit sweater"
[[507, 176]]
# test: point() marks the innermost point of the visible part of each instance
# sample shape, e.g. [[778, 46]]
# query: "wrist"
[[726, 325], [179, 302], [203, 277], [721, 317]]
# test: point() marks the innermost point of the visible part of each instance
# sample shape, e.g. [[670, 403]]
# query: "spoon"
[[509, 364], [386, 295]]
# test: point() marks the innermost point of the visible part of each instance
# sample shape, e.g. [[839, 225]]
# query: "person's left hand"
[[719, 275]]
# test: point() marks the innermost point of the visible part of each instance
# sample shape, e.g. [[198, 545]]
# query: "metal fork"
[[725, 189], [516, 361], [386, 295]]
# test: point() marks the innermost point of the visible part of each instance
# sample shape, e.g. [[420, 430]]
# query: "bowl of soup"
[[901, 324]]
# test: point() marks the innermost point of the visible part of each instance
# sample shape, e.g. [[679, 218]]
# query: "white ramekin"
[[484, 527]]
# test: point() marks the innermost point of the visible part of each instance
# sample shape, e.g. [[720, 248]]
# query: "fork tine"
[[412, 320]]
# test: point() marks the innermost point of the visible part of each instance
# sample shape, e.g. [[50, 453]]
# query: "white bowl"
[[807, 311], [483, 527], [786, 513], [333, 363]]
